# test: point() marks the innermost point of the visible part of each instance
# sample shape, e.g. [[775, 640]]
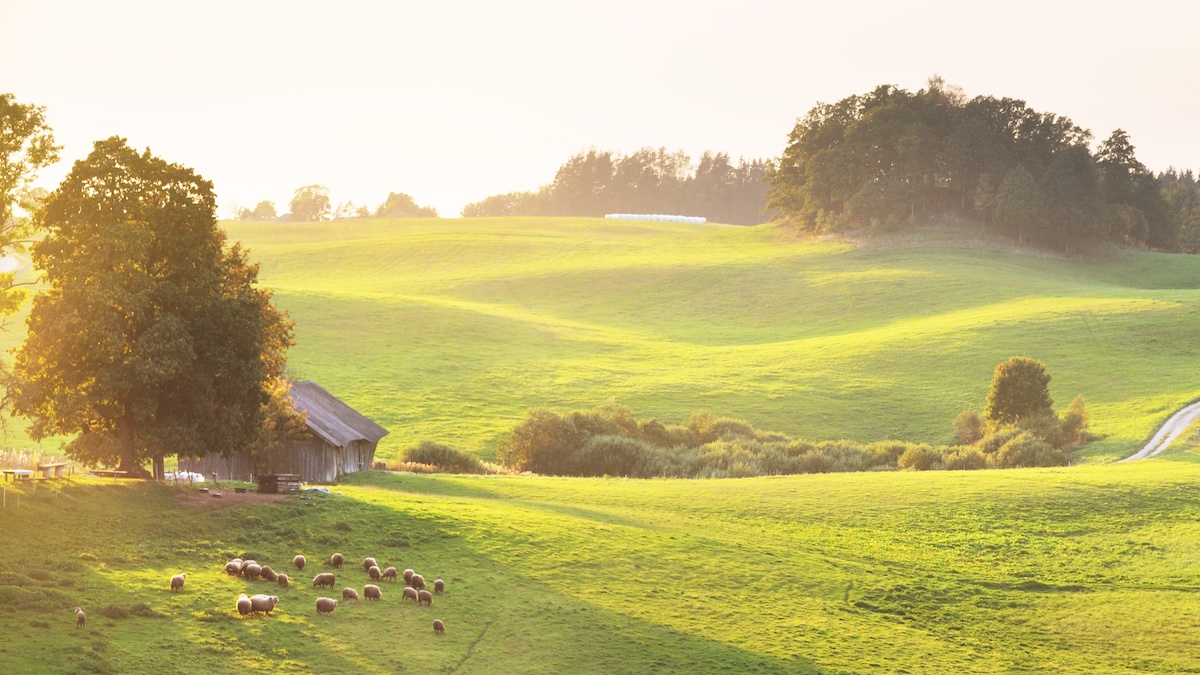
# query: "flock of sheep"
[[414, 587], [250, 569]]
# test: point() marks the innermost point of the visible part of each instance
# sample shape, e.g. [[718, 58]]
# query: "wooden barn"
[[342, 441]]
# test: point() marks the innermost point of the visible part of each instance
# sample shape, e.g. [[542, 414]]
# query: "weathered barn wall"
[[314, 460]]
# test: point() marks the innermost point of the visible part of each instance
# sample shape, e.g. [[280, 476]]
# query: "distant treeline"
[[311, 204], [891, 157], [594, 183]]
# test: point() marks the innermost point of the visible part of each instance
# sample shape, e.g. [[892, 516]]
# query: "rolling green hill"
[[452, 329], [1079, 570]]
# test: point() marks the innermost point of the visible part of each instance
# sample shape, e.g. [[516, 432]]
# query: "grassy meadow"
[[452, 329], [1085, 569]]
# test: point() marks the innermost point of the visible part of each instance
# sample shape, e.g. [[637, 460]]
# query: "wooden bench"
[[56, 467], [109, 473], [17, 474]]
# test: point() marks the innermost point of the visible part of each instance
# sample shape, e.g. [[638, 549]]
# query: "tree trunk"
[[158, 467], [128, 451]]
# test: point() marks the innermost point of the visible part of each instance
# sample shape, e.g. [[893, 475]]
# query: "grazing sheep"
[[390, 573], [408, 575], [177, 581], [282, 580], [268, 574], [410, 593], [233, 568], [349, 594], [337, 560], [80, 617], [299, 562], [425, 598], [439, 586], [252, 570], [439, 627], [244, 606], [323, 579], [263, 603], [372, 592], [248, 562], [374, 573], [417, 581], [368, 563], [326, 605]]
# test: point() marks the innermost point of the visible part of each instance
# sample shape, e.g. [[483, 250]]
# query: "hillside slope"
[[452, 329], [1080, 570]]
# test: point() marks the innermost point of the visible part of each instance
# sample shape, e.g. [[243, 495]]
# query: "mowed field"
[[452, 329], [1077, 570]]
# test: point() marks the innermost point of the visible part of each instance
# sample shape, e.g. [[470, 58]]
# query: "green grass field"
[[452, 329], [1086, 569]]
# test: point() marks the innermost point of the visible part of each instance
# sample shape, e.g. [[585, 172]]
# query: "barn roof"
[[332, 420]]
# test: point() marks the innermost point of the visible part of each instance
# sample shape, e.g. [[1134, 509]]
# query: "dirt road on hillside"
[[1176, 425]]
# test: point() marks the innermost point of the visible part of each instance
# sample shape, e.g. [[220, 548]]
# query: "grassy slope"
[[451, 330], [1089, 569]]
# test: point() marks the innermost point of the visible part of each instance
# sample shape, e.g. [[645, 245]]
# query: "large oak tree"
[[152, 336]]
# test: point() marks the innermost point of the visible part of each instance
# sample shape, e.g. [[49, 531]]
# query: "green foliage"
[[920, 458], [401, 205], [310, 204], [264, 212], [968, 427], [891, 155], [965, 459], [26, 146], [444, 457], [1019, 207], [1020, 388], [991, 443], [647, 181], [151, 337], [610, 442], [506, 205], [1026, 450]]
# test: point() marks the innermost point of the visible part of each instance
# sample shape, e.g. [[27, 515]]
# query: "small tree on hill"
[[1020, 389], [310, 203]]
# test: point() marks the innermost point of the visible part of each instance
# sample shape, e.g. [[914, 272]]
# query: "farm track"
[[1171, 430]]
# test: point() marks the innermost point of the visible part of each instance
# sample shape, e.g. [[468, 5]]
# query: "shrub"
[[1020, 388], [965, 459], [445, 457], [609, 456], [144, 610], [920, 458], [1075, 422], [543, 443], [1027, 451], [1045, 426], [968, 427], [114, 612], [991, 444]]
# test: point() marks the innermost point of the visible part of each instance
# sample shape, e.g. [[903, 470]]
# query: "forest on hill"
[[890, 158]]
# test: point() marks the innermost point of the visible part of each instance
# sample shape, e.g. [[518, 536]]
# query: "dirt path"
[[1176, 425]]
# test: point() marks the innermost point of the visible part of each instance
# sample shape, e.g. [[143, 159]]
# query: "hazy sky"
[[454, 101]]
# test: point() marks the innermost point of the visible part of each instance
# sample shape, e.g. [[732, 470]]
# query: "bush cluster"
[[444, 457], [610, 441]]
